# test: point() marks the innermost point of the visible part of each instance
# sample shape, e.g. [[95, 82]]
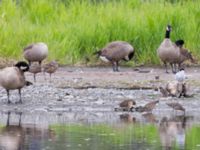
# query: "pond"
[[115, 130]]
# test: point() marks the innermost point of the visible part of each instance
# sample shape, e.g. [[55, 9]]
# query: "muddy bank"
[[87, 92]]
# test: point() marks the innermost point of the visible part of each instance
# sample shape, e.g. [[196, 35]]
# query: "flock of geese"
[[169, 52]]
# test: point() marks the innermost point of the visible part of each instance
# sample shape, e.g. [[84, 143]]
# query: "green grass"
[[73, 29]]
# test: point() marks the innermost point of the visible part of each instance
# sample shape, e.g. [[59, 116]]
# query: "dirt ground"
[[81, 93]]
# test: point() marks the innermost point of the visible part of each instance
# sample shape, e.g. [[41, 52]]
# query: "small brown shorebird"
[[176, 106], [163, 91], [35, 68], [51, 68], [127, 104], [148, 107]]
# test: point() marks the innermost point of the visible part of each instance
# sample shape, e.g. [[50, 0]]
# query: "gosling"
[[35, 68], [51, 68], [12, 78]]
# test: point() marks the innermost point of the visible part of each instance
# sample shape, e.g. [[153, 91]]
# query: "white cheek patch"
[[127, 58], [104, 59], [23, 68]]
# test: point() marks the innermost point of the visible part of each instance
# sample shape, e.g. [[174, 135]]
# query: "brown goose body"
[[12, 78], [116, 51], [36, 52], [168, 51]]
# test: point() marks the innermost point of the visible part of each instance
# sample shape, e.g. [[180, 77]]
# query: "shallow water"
[[99, 130]]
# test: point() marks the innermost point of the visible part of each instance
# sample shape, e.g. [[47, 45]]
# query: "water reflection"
[[127, 131], [173, 132], [18, 137]]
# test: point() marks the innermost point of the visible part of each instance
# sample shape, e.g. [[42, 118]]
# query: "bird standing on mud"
[[35, 68], [170, 52], [50, 68], [116, 51], [36, 52], [12, 78]]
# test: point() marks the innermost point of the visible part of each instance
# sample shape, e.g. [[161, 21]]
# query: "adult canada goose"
[[169, 52], [176, 106], [12, 78], [127, 104], [51, 68], [116, 51], [35, 68], [148, 107], [36, 52]]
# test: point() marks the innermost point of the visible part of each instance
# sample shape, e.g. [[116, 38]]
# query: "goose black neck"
[[167, 35]]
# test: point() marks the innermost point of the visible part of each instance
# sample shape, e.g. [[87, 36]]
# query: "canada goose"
[[51, 68], [36, 52], [12, 78], [148, 107], [127, 104], [35, 68], [116, 51], [176, 106], [169, 52], [185, 55]]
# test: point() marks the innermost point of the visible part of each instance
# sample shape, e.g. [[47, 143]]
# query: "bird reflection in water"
[[23, 136], [173, 131], [12, 136]]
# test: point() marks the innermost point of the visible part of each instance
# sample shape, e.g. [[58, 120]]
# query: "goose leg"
[[113, 66], [165, 64], [8, 95], [34, 76], [117, 65], [20, 97], [50, 77], [8, 119], [172, 66]]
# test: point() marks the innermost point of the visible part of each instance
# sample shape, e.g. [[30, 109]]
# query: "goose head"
[[169, 28], [22, 65]]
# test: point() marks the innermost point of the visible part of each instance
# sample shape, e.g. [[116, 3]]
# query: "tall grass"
[[73, 29]]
